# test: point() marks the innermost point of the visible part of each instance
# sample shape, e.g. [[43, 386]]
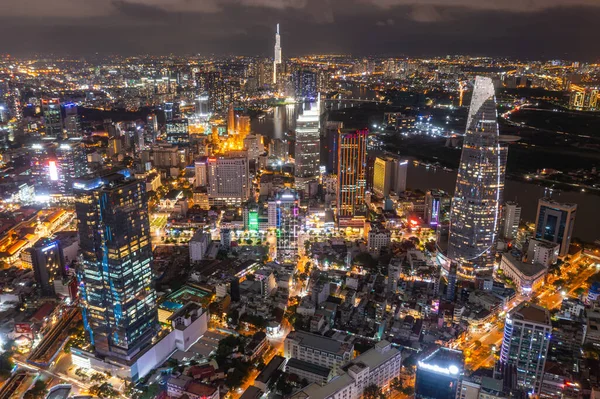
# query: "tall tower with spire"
[[479, 186], [277, 56]]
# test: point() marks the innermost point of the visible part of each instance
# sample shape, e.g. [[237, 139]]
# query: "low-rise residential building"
[[308, 371], [378, 366], [317, 349], [265, 377]]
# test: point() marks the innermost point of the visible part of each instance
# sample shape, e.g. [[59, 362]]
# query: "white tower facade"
[[277, 55]]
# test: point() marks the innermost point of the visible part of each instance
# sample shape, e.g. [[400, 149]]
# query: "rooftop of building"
[[201, 390], [320, 342], [528, 269], [529, 312], [316, 391], [111, 177], [267, 373], [180, 382], [544, 243], [374, 357], [444, 358], [491, 384], [191, 310], [251, 392], [308, 367], [559, 205]]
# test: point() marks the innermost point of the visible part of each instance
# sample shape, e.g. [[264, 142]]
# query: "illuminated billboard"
[[53, 170]]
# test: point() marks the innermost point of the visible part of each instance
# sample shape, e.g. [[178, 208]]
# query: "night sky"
[[532, 29]]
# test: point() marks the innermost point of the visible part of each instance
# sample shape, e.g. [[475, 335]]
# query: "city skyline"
[[313, 227], [359, 27]]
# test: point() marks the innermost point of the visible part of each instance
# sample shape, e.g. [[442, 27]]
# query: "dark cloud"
[[532, 29]]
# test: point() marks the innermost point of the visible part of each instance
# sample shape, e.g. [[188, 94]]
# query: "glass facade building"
[[554, 222], [439, 375], [308, 142], [115, 276], [479, 186], [72, 164], [53, 120]]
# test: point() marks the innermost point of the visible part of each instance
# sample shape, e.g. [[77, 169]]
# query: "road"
[[82, 387], [548, 297]]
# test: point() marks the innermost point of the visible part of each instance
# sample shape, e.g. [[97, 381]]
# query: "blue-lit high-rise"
[[479, 186], [554, 222], [115, 275]]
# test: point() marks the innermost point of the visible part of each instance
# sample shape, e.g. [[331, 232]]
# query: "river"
[[587, 222], [283, 118]]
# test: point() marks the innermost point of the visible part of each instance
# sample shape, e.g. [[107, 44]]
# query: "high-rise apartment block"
[[479, 186], [512, 218], [554, 222], [72, 121], [201, 172], [527, 333]]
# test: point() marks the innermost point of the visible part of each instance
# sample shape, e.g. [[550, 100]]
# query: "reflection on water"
[[526, 194], [283, 118]]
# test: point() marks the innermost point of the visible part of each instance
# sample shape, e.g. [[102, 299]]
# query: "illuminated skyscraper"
[[352, 163], [213, 83], [285, 212], [277, 55], [202, 107], [554, 222], [48, 263], [71, 161], [308, 148], [53, 120], [512, 218], [115, 275], [479, 186], [72, 121], [527, 333]]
